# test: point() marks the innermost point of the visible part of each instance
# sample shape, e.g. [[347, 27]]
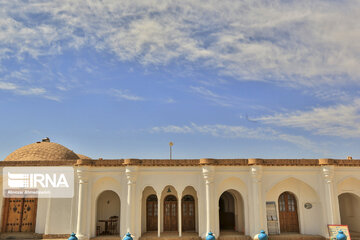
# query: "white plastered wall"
[[160, 178], [101, 182], [235, 184], [310, 220]]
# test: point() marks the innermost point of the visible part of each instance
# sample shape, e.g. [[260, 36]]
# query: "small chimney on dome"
[[46, 139], [349, 158]]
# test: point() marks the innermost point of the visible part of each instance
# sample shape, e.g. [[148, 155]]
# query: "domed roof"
[[42, 151], [82, 156]]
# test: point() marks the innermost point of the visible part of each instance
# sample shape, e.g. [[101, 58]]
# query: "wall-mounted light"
[[108, 201], [169, 190]]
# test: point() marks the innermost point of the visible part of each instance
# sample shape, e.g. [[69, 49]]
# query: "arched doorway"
[[188, 213], [108, 213], [288, 214], [227, 211], [349, 204], [170, 213], [151, 213]]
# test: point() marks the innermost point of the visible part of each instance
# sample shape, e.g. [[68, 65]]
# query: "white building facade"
[[181, 196]]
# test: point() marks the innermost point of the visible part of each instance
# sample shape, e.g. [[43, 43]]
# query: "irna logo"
[[41, 182], [36, 180]]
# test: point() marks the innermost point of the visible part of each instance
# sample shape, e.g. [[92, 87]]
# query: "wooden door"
[[152, 213], [29, 215], [19, 215], [288, 213], [170, 213], [188, 213]]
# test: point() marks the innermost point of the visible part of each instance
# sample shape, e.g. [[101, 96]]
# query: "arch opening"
[[108, 213], [151, 213], [188, 213], [170, 213], [231, 212], [288, 213], [349, 205], [149, 210]]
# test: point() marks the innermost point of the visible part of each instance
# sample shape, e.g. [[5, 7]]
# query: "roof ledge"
[[131, 162], [255, 161], [326, 161], [207, 161]]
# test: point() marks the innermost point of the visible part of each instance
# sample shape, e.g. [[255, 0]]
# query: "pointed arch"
[[349, 205], [149, 210], [310, 220]]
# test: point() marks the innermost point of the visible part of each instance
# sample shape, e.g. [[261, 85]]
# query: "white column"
[[159, 215], [180, 216], [48, 217], [333, 215], [130, 173], [82, 204], [258, 202], [208, 174]]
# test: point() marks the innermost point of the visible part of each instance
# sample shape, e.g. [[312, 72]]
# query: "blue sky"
[[229, 79]]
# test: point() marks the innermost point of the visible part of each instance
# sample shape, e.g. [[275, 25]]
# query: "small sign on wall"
[[334, 230], [272, 219]]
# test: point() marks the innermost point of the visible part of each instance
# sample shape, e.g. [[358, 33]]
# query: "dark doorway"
[[227, 211]]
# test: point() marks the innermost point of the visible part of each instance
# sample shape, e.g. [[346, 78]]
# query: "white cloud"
[[31, 91], [294, 43], [7, 86], [125, 95], [341, 120], [211, 96], [230, 131], [170, 100], [23, 90]]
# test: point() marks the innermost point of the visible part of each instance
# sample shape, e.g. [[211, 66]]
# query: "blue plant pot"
[[262, 235], [72, 237], [341, 236], [210, 236], [128, 237]]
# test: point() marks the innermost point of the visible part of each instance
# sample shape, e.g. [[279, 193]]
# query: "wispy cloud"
[[170, 100], [28, 91], [230, 131], [211, 96], [125, 95], [342, 120], [293, 43], [7, 86]]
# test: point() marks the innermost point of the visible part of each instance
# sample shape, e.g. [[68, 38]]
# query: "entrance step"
[[170, 236], [106, 238], [295, 237], [17, 235], [233, 235]]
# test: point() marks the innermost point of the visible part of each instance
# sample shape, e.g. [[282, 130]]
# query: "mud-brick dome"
[[43, 151]]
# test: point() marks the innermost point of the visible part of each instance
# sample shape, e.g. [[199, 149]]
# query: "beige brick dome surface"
[[42, 151], [82, 156]]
